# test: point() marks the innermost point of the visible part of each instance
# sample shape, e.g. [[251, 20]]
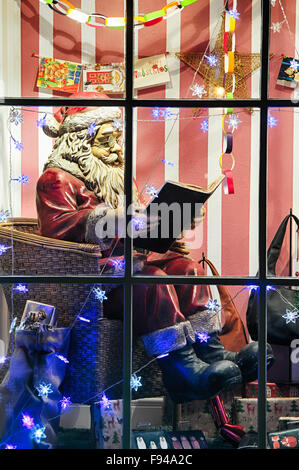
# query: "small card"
[[151, 71], [105, 78], [59, 75], [35, 312], [289, 73]]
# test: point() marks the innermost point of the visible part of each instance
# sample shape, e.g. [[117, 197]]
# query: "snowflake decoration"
[[291, 316], [44, 389], [202, 337], [4, 215], [166, 162], [233, 122], [21, 288], [3, 249], [92, 129], [276, 27], [13, 325], [62, 358], [118, 264], [212, 305], [294, 65], [9, 446], [212, 60], [41, 122], [2, 359], [198, 90], [38, 433], [204, 126], [138, 223], [151, 190], [27, 421], [100, 294], [135, 382], [272, 121], [163, 113], [15, 116], [21, 179], [234, 14], [84, 319], [65, 403], [18, 145], [156, 113], [105, 402], [117, 124]]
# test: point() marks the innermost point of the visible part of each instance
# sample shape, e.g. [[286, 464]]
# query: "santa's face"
[[106, 144]]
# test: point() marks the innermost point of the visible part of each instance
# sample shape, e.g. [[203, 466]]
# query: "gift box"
[[245, 412], [107, 421], [251, 390], [284, 440]]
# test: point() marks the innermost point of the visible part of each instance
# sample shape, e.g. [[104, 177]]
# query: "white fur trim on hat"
[[79, 121]]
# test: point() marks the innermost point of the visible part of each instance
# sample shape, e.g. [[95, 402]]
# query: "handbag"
[[233, 334], [280, 301]]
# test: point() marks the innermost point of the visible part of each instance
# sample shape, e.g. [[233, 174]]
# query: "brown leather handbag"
[[233, 335]]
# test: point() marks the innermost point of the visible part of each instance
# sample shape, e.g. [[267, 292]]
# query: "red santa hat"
[[76, 118]]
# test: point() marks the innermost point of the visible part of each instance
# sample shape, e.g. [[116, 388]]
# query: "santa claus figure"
[[82, 183]]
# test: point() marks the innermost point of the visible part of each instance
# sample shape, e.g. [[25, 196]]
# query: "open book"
[[176, 204]]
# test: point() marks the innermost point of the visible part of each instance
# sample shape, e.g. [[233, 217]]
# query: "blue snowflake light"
[[2, 359], [233, 122], [10, 446], [4, 215], [21, 179], [202, 337], [84, 319], [65, 403], [198, 90], [291, 316], [138, 223], [3, 249], [21, 288], [294, 64], [151, 190], [15, 116], [99, 294], [13, 325], [252, 288], [135, 382], [27, 421], [18, 145], [117, 124], [92, 129], [44, 389], [272, 121], [105, 402], [62, 358], [269, 288], [234, 14], [38, 433], [166, 162], [118, 264], [163, 113], [41, 122], [212, 305], [212, 60], [204, 126]]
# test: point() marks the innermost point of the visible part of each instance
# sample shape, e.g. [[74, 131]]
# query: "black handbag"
[[280, 300]]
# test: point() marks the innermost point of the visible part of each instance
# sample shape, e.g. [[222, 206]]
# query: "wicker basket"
[[96, 348]]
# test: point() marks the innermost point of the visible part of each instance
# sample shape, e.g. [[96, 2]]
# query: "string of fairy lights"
[[36, 430]]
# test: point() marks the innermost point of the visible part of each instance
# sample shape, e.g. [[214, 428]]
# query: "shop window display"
[[136, 325]]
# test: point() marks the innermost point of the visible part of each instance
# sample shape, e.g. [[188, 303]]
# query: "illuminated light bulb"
[[220, 92], [78, 15], [116, 23]]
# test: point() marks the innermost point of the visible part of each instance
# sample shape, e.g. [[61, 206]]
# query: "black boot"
[[188, 378], [246, 359]]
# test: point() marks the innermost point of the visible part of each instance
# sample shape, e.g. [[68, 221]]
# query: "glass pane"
[[187, 149], [55, 349], [283, 72], [56, 196], [185, 53], [198, 382], [282, 180], [57, 55]]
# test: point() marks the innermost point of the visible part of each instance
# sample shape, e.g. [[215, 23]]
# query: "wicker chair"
[[96, 348]]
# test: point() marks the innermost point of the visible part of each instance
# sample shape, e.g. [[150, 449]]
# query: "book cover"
[[59, 75], [289, 73]]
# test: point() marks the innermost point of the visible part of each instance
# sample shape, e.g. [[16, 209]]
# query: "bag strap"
[[276, 244]]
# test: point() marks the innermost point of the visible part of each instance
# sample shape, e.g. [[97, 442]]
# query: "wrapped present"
[[245, 412], [107, 420], [284, 440], [251, 390]]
